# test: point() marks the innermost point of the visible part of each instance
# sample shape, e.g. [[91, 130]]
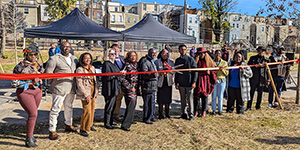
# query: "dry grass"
[[262, 129]]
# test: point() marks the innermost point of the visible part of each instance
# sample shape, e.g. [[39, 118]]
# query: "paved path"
[[12, 113]]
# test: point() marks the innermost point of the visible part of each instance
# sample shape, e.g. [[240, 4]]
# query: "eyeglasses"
[[35, 54], [112, 53]]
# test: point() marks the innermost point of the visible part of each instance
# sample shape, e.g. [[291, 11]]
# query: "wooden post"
[[298, 84], [273, 86]]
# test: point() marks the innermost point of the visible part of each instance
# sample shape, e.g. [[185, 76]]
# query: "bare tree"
[[14, 22]]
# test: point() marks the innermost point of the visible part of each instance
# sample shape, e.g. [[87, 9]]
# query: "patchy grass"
[[257, 129]]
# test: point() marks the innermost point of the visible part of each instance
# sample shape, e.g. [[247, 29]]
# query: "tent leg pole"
[[123, 46], [24, 42]]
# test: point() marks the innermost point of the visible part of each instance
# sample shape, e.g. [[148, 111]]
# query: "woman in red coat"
[[206, 81]]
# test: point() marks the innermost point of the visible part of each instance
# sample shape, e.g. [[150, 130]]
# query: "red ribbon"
[[64, 75]]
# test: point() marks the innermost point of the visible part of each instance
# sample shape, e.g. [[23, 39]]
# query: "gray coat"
[[160, 67], [58, 64], [244, 81], [149, 83]]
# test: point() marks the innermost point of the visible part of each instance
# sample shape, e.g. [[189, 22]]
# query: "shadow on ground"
[[281, 140]]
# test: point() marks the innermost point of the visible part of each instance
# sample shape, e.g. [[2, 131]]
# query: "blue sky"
[[249, 7]]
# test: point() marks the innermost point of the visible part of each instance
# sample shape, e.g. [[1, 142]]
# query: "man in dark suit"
[[121, 63], [259, 78]]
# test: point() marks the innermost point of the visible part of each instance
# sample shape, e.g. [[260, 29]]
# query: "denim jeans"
[[278, 81], [218, 93]]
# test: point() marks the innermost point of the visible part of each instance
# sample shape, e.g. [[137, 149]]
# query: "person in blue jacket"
[[54, 50]]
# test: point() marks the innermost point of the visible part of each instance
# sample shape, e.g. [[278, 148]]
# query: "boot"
[[160, 111], [30, 142], [167, 111]]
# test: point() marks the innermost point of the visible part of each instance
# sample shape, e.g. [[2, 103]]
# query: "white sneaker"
[[270, 106], [276, 104]]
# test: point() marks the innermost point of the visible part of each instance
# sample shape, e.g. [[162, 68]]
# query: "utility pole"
[[92, 9], [184, 9], [106, 25], [2, 51]]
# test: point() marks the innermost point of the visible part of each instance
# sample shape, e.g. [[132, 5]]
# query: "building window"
[[233, 25], [113, 18], [193, 33], [252, 38], [134, 20], [247, 37], [267, 29], [98, 15], [103, 8], [155, 7], [45, 13], [191, 19], [120, 18], [237, 25], [133, 10], [144, 6], [116, 9], [271, 20], [196, 20], [243, 26], [128, 20], [235, 17], [245, 20], [249, 19], [258, 19], [262, 29], [26, 11], [32, 25]]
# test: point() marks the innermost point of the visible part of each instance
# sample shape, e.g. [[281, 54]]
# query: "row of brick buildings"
[[247, 31]]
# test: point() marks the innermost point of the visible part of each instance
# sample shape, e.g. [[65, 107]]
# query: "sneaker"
[[53, 135], [269, 105], [183, 116]]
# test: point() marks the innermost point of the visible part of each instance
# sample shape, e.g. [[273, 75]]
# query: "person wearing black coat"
[[279, 73], [121, 63], [149, 85], [259, 78], [111, 87]]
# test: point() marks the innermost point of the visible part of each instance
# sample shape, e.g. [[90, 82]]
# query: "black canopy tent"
[[150, 30], [75, 25]]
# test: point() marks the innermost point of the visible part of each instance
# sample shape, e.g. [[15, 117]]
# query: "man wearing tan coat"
[[62, 89]]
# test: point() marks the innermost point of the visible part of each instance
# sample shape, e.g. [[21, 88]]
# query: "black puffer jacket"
[[148, 81]]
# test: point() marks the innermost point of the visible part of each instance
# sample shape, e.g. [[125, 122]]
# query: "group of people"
[[194, 84]]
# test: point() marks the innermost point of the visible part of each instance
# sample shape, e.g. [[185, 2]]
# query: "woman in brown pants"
[[29, 91], [87, 91]]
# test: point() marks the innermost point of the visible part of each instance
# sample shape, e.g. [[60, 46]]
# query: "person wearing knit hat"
[[29, 92]]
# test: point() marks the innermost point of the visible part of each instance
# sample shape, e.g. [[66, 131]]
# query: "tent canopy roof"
[[75, 25], [150, 30]]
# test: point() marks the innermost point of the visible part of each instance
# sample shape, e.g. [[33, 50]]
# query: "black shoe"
[[183, 116], [161, 117], [168, 116], [220, 113], [191, 117], [134, 122], [109, 127], [213, 113], [248, 109], [30, 142], [125, 129], [229, 111], [93, 129], [84, 133], [258, 108]]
